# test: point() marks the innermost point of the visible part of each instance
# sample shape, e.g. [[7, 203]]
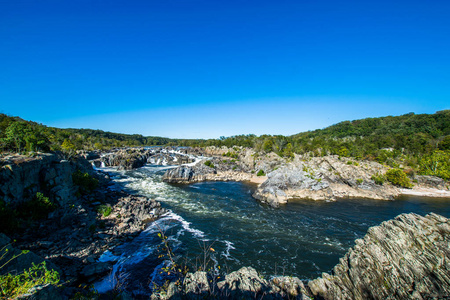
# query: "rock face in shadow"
[[21, 177], [404, 258]]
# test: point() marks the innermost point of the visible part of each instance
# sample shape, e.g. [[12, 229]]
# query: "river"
[[303, 238]]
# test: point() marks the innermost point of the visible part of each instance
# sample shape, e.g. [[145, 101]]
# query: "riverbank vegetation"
[[420, 142]]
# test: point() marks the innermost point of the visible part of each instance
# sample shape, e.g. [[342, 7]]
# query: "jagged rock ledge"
[[404, 258]]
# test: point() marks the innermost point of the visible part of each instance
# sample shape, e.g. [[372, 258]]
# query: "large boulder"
[[324, 178], [404, 258]]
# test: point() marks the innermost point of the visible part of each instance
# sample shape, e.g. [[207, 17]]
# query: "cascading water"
[[303, 238]]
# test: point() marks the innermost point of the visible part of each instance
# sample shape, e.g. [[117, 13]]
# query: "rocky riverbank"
[[404, 258], [84, 225], [317, 178]]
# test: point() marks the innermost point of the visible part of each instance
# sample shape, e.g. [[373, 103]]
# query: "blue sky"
[[204, 69]]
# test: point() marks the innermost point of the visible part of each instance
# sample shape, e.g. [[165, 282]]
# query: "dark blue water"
[[303, 238]]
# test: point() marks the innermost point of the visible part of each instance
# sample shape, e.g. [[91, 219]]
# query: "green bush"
[[378, 178], [231, 154], [37, 208], [208, 163], [398, 177], [359, 181], [260, 173], [85, 182], [436, 164], [105, 210]]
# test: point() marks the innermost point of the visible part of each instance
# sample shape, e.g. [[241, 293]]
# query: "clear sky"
[[206, 68]]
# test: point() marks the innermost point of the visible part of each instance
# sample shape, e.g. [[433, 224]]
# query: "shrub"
[[37, 208], [378, 178], [359, 181], [231, 154], [105, 210], [85, 182], [398, 177], [208, 163], [260, 173]]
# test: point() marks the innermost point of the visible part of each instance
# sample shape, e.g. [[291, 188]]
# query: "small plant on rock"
[[37, 208], [378, 178], [260, 173], [209, 163], [105, 210]]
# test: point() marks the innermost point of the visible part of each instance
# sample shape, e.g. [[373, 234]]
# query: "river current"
[[303, 238]]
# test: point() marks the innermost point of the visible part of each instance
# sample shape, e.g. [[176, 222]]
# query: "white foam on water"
[[230, 246], [186, 225], [108, 283]]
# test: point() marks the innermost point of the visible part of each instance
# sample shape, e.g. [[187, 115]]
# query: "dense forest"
[[421, 142]]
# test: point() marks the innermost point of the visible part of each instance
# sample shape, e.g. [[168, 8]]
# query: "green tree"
[[15, 135], [68, 148], [436, 164]]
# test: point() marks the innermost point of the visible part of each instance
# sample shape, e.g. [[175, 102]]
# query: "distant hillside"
[[418, 141], [411, 133], [19, 135]]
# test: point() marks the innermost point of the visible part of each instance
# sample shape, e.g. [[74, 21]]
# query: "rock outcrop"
[[244, 283], [404, 258], [21, 177], [324, 178], [200, 172], [84, 225]]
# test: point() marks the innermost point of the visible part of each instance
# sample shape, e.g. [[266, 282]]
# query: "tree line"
[[412, 140]]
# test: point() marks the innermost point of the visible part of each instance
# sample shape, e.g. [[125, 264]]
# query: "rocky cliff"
[[21, 177], [83, 224]]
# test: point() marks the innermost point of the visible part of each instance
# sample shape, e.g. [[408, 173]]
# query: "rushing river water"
[[303, 238]]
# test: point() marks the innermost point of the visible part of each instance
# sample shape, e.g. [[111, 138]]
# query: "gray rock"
[[404, 258], [243, 284], [196, 285], [46, 292]]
